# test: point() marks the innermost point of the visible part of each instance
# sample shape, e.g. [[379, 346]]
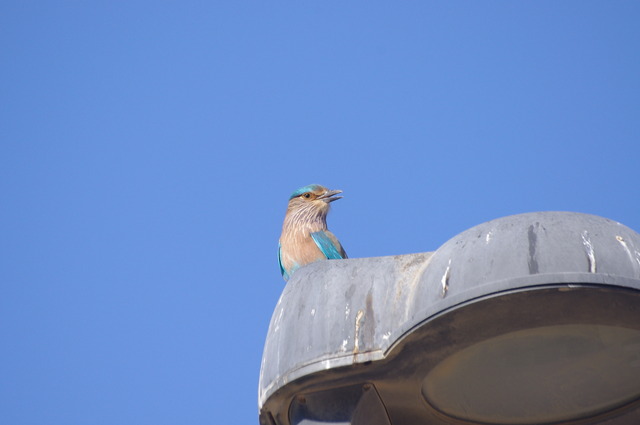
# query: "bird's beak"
[[329, 196]]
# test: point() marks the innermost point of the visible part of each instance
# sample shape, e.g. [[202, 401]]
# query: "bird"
[[305, 237]]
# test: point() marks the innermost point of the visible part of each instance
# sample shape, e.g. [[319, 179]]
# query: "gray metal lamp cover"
[[527, 319]]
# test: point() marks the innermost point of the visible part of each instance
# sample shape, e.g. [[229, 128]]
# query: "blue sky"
[[148, 150]]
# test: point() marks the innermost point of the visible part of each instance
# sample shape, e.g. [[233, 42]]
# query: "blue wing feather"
[[327, 246], [285, 275]]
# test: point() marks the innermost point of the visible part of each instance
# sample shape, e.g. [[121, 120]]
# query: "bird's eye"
[[307, 195]]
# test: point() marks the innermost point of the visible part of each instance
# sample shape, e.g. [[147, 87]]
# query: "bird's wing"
[[285, 275], [329, 245]]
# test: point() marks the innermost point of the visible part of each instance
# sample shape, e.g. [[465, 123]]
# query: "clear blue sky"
[[148, 150]]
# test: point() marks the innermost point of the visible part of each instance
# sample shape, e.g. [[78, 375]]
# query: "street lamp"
[[528, 319]]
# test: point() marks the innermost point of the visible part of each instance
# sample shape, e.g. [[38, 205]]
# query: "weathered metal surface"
[[336, 313], [339, 319]]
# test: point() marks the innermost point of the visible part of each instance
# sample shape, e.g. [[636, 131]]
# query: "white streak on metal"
[[343, 347], [445, 279], [347, 310], [313, 312], [278, 320], [633, 256], [591, 255], [386, 335], [356, 341], [488, 237], [622, 242]]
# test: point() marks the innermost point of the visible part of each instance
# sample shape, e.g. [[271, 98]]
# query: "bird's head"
[[313, 198]]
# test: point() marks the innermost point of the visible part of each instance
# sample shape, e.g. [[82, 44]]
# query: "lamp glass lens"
[[539, 375]]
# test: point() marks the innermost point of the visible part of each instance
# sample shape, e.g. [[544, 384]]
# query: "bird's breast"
[[298, 249]]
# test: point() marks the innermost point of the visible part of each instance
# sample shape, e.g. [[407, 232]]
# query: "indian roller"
[[305, 237]]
